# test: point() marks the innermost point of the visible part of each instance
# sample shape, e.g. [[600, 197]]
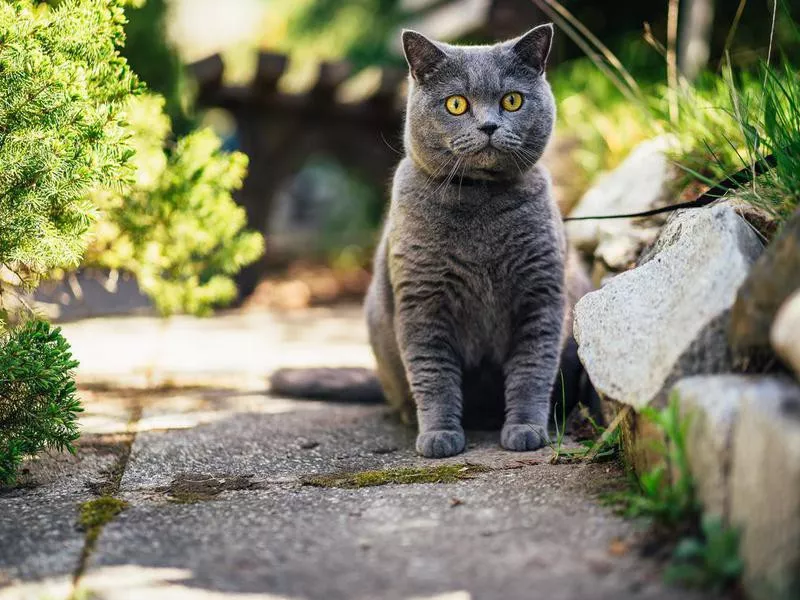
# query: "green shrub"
[[155, 60], [38, 406], [63, 87]]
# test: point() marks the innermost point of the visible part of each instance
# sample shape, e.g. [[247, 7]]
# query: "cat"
[[469, 309]]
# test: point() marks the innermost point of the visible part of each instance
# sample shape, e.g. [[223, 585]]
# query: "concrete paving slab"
[[534, 532]]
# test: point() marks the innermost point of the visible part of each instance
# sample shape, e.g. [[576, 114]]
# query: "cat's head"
[[488, 107]]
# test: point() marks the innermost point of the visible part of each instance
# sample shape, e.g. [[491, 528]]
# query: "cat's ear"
[[533, 48], [423, 55]]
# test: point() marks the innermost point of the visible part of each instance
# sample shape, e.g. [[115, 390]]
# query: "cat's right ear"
[[423, 55]]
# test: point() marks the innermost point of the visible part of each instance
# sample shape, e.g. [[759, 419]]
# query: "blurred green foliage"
[[153, 58], [358, 30], [722, 122], [177, 228]]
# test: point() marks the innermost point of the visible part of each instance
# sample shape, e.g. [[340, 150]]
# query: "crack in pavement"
[[104, 493]]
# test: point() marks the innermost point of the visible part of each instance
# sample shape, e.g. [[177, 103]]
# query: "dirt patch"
[[189, 488], [405, 475]]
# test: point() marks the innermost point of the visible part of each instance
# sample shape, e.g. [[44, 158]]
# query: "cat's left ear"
[[533, 48], [423, 55]]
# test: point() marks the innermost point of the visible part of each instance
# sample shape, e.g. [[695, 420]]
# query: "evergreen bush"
[[38, 405], [63, 87]]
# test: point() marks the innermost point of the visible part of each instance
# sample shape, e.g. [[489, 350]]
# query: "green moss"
[[405, 475], [95, 514]]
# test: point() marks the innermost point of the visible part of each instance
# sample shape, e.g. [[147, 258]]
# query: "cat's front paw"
[[523, 436], [441, 443]]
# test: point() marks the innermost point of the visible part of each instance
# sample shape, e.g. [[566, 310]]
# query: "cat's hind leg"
[[382, 338]]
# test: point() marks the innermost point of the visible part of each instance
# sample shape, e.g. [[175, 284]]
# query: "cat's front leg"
[[530, 374], [434, 375]]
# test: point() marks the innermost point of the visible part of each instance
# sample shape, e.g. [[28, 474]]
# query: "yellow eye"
[[511, 101], [456, 105]]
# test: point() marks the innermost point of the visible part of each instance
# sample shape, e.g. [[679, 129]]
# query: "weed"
[[666, 494], [667, 498], [709, 562], [720, 123], [604, 446]]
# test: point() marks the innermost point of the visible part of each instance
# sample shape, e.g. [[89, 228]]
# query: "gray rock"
[[711, 406], [664, 320], [774, 277], [765, 489], [638, 184], [785, 335]]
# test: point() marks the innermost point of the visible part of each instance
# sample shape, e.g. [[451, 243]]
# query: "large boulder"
[[786, 332], [667, 318], [774, 277], [640, 183]]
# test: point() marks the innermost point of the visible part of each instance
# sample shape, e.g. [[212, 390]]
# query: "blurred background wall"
[[312, 91]]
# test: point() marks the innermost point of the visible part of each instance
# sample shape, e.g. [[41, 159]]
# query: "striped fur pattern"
[[469, 277]]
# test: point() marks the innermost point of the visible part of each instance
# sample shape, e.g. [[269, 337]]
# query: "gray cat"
[[470, 288], [467, 307]]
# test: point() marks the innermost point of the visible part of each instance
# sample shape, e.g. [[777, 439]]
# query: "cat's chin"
[[491, 164], [486, 158]]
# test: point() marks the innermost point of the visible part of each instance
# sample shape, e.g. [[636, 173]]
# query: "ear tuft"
[[533, 48], [423, 55]]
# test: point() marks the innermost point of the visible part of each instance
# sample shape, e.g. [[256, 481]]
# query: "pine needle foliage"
[[62, 88], [38, 405], [177, 229]]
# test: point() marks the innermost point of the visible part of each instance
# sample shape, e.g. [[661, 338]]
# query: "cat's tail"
[[345, 384]]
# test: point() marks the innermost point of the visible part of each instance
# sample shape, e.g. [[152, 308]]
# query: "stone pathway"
[[214, 477]]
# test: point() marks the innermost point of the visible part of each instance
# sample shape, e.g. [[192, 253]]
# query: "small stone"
[[774, 277], [308, 445], [666, 318], [785, 334], [455, 502], [765, 490]]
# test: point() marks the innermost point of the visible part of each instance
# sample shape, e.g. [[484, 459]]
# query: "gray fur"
[[469, 277]]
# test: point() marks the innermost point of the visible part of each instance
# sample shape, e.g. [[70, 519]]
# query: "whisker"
[[443, 182], [449, 179], [460, 181], [432, 177], [513, 156]]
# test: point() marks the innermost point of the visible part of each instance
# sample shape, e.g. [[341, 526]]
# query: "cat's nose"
[[489, 127]]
